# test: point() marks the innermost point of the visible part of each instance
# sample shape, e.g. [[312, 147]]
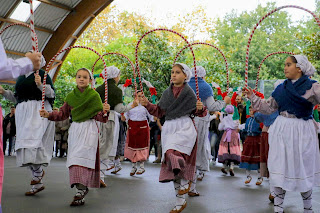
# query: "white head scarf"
[[186, 71], [201, 72], [304, 64], [112, 72], [91, 76]]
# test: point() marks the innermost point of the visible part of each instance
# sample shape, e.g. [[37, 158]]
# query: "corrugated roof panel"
[[49, 17], [70, 3], [18, 38], [5, 6]]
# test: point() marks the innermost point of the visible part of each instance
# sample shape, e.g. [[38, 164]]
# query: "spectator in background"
[[61, 136], [154, 131], [9, 130]]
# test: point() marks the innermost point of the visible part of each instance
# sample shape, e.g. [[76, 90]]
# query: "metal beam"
[[71, 23], [12, 21], [56, 4], [8, 82], [15, 53]]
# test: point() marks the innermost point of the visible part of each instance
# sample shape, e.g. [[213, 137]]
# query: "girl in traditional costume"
[[35, 136], [202, 125], [138, 137], [85, 106], [229, 149], [178, 136], [109, 132], [250, 156], [293, 160]]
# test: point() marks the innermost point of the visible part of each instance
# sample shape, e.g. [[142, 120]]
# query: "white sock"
[[142, 164], [307, 201], [184, 184], [37, 172], [232, 165], [102, 175], [80, 189], [117, 161], [180, 199], [37, 186], [194, 183], [134, 165], [272, 191], [248, 172], [278, 199]]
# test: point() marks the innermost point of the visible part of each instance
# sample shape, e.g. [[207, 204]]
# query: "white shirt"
[[228, 123], [139, 113], [9, 68]]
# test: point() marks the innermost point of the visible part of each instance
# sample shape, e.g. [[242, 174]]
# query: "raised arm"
[[10, 69], [264, 106], [214, 105]]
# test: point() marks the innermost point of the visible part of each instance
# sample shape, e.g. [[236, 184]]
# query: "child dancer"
[[138, 137], [35, 136], [85, 106], [267, 121], [121, 143], [293, 160], [250, 157], [229, 148], [202, 125], [178, 135], [109, 132]]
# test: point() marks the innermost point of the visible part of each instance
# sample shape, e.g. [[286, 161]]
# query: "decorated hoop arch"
[[34, 44], [124, 56], [64, 50], [211, 45], [274, 53], [255, 27], [172, 31]]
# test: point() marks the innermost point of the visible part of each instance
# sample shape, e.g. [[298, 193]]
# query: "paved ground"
[[140, 194]]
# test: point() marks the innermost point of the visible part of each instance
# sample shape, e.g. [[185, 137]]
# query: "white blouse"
[[139, 113], [10, 69], [228, 123]]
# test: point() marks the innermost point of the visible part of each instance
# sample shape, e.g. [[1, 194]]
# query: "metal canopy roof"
[[58, 24]]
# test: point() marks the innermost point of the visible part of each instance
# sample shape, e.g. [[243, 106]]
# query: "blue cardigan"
[[252, 127]]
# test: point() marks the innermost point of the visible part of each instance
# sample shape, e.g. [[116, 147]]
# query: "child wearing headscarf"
[[138, 137], [109, 131], [178, 103], [229, 149], [293, 160], [35, 136], [250, 156], [202, 125], [85, 106]]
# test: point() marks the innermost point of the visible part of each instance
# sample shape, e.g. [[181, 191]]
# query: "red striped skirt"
[[85, 176], [178, 165]]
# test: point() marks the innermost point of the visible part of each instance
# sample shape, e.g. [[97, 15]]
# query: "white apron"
[[83, 143], [35, 135], [178, 134], [31, 128], [108, 136], [293, 160], [203, 148]]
